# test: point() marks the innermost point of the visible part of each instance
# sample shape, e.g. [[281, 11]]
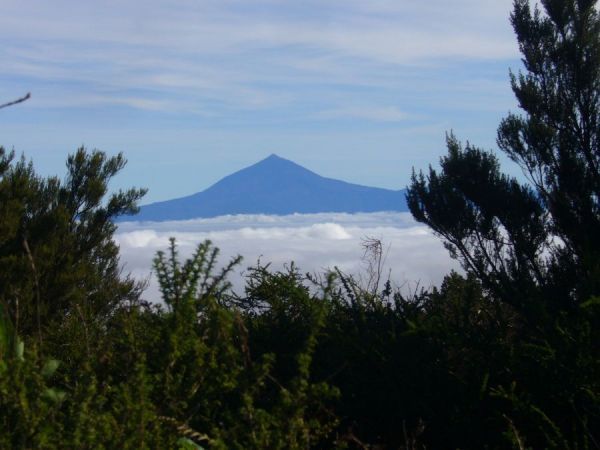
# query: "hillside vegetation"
[[505, 356]]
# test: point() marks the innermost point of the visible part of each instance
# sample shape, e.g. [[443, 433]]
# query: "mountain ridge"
[[274, 185]]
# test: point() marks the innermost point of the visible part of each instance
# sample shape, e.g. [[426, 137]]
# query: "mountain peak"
[[275, 166], [276, 185], [273, 157]]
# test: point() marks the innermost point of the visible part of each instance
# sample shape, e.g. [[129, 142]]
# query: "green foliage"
[[212, 381], [505, 356], [57, 257], [61, 293], [535, 247], [529, 242]]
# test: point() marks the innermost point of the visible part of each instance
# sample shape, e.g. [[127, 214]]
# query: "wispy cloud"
[[242, 53], [194, 89], [384, 114]]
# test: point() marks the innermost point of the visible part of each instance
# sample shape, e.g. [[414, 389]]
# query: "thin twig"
[[185, 430], [85, 328], [19, 100], [37, 286], [515, 432]]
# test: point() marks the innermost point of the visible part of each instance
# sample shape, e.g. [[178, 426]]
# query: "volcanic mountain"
[[274, 186]]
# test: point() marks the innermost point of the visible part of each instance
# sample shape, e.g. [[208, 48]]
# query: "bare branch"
[[19, 100]]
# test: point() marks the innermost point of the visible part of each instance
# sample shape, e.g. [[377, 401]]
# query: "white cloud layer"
[[315, 242]]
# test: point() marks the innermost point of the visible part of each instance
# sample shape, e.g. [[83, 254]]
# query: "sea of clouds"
[[314, 242]]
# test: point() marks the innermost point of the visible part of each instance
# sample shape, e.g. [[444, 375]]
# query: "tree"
[[538, 240], [58, 261], [535, 246]]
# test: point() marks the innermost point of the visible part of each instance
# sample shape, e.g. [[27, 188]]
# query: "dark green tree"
[[535, 245], [540, 239], [58, 261]]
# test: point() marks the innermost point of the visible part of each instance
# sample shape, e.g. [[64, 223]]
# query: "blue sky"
[[192, 90]]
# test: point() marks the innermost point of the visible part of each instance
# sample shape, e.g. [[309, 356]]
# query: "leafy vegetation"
[[504, 356]]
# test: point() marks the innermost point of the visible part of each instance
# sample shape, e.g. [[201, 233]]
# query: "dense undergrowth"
[[295, 361]]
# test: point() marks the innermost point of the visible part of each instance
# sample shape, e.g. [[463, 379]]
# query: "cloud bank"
[[315, 242]]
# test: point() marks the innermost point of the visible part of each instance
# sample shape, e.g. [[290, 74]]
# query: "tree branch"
[[19, 100]]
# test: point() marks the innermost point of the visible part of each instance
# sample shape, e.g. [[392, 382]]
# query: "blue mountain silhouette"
[[275, 186]]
